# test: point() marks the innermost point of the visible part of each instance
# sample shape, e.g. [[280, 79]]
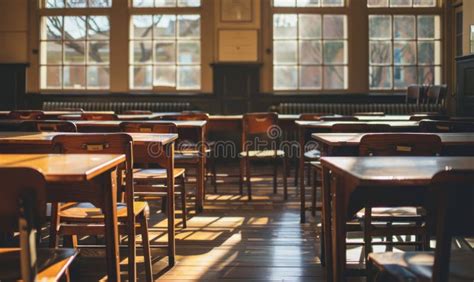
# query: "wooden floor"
[[233, 240]]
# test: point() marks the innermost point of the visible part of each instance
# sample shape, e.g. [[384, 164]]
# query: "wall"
[[13, 31]]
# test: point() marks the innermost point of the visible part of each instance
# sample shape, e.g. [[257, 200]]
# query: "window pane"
[[52, 28], [310, 77], [74, 28], [331, 3], [74, 52], [165, 3], [165, 52], [285, 77], [404, 53], [334, 27], [54, 3], [377, 3], [98, 77], [429, 53], [285, 52], [76, 3], [334, 52], [98, 27], [309, 26], [284, 3], [380, 27], [284, 26], [142, 27], [189, 77], [310, 52], [404, 76], [99, 52], [142, 52], [429, 75], [189, 52], [189, 3], [142, 77], [335, 77], [308, 3], [165, 76], [404, 27], [380, 77], [51, 77], [429, 27], [381, 52], [143, 3], [51, 52], [424, 3], [100, 3], [165, 26], [189, 26], [400, 3], [74, 77]]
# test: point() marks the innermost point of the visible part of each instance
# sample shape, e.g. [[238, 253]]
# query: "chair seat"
[[263, 154], [188, 157], [390, 214], [418, 266], [154, 174], [312, 155], [87, 212], [52, 263]]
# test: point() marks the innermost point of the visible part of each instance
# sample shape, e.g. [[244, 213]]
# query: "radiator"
[[350, 109], [118, 107]]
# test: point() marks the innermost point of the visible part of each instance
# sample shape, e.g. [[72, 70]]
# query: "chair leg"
[[214, 173], [308, 173], [323, 250], [241, 180], [53, 228], [389, 239], [367, 232], [285, 178], [146, 247], [275, 174], [247, 175], [183, 202], [313, 192], [297, 169]]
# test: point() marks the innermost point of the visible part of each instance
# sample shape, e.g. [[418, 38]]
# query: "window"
[[404, 50], [165, 49], [74, 50], [309, 50], [401, 3]]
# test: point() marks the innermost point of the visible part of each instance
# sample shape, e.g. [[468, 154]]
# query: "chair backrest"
[[23, 208], [148, 127], [446, 126], [414, 93], [400, 144], [187, 116], [113, 143], [97, 127], [99, 116], [136, 112], [26, 115], [436, 94], [263, 126], [360, 127], [48, 126], [313, 116], [452, 213]]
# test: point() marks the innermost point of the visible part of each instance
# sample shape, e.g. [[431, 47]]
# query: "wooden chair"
[[446, 126], [451, 214], [394, 144], [436, 94], [22, 209], [414, 92], [99, 116], [26, 115], [187, 156], [48, 126], [261, 127], [72, 219], [151, 181]]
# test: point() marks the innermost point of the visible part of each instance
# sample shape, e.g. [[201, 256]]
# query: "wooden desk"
[[347, 144], [122, 117], [147, 148], [350, 182], [87, 178], [306, 127]]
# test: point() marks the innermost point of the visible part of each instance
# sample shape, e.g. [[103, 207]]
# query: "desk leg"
[[171, 206], [301, 133], [338, 215], [326, 221], [111, 228]]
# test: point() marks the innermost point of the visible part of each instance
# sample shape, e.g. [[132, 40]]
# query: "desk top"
[[47, 137], [385, 171], [64, 167], [353, 139], [179, 123]]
